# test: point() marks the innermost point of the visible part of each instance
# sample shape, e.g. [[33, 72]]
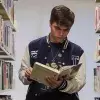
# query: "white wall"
[[33, 21]]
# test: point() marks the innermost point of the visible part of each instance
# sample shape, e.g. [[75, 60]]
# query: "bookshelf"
[[96, 70], [5, 15], [7, 48], [4, 54]]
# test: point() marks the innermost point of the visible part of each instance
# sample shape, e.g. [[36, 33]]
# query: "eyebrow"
[[60, 28]]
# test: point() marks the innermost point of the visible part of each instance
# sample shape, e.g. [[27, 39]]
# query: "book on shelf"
[[96, 85], [97, 19], [97, 50], [6, 75], [97, 79], [40, 71]]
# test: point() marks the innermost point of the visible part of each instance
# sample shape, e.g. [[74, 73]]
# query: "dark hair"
[[62, 15]]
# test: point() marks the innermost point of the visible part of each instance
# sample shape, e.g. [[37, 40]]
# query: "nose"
[[61, 32]]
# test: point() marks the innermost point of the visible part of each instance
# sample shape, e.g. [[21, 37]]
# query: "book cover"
[[40, 71]]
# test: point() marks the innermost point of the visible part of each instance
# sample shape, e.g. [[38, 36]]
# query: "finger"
[[55, 82], [30, 70], [47, 79], [52, 82], [27, 73], [60, 78]]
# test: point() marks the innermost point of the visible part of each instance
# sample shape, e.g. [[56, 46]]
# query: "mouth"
[[60, 38]]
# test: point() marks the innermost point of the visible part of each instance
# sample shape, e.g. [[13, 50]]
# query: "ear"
[[68, 35]]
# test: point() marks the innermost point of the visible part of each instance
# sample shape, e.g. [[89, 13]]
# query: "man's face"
[[58, 33]]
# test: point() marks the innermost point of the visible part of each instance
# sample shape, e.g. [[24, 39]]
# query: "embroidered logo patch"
[[34, 54], [75, 59]]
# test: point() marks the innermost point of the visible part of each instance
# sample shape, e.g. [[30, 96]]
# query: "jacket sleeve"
[[77, 83], [25, 63]]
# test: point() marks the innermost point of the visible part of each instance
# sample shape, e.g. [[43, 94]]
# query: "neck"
[[54, 40]]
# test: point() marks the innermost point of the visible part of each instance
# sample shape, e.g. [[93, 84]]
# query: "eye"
[[57, 28], [65, 30]]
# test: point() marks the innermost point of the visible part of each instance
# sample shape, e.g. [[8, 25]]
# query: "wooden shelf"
[[5, 15], [5, 54], [7, 57], [5, 91], [97, 1]]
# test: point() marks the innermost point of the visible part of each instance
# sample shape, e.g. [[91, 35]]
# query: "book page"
[[40, 71], [70, 71]]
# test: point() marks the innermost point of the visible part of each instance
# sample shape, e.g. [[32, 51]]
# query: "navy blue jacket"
[[40, 51]]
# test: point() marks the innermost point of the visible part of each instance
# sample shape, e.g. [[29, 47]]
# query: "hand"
[[28, 72], [53, 82]]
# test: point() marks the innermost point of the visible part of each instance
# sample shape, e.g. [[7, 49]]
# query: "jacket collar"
[[65, 44]]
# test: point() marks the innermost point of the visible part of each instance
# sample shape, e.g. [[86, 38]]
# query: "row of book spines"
[[6, 36], [97, 70], [97, 18], [9, 6], [6, 75], [97, 79], [5, 97]]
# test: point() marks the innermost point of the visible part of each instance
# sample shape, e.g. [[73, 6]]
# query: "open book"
[[40, 71]]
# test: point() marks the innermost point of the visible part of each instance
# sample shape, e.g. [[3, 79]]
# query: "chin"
[[59, 41]]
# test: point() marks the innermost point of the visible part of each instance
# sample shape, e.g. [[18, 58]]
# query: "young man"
[[54, 50]]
